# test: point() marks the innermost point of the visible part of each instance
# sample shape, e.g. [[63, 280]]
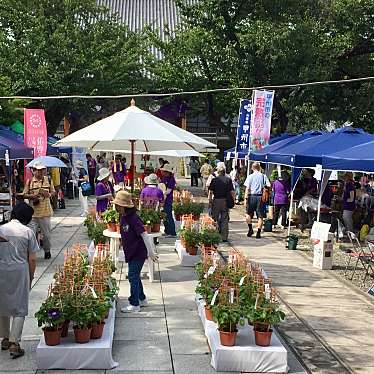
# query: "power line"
[[218, 90]]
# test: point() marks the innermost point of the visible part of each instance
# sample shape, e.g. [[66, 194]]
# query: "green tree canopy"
[[239, 43]]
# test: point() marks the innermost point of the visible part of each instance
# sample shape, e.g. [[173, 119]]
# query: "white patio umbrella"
[[133, 128]]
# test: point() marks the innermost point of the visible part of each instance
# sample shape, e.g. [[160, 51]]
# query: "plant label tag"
[[231, 295], [214, 298], [256, 302], [93, 292], [267, 291], [211, 270], [242, 280], [110, 284]]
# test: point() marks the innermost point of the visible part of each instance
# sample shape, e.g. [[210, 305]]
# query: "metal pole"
[[132, 167]]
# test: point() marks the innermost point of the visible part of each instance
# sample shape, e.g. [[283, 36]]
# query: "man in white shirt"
[[255, 184]]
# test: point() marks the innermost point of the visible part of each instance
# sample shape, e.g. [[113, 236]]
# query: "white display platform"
[[185, 258], [96, 354], [245, 356]]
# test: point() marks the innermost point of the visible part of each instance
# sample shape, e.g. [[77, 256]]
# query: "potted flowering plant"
[[227, 316], [50, 316], [264, 315], [192, 239], [209, 238], [99, 309], [83, 316], [146, 216], [111, 218]]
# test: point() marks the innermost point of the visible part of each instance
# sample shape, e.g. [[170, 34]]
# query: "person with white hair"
[[255, 184], [221, 199]]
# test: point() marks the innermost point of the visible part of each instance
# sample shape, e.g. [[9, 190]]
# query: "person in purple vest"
[[104, 190], [151, 195]]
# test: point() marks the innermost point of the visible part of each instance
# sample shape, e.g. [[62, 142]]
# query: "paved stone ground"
[[329, 325]]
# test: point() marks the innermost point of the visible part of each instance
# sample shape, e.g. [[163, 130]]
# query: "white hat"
[[103, 173], [167, 168], [151, 179], [38, 165], [221, 167], [79, 164]]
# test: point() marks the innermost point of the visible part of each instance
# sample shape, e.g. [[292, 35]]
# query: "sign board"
[[320, 231], [243, 130]]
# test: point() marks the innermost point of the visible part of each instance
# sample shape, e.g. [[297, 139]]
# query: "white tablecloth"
[[245, 356], [185, 258], [96, 354]]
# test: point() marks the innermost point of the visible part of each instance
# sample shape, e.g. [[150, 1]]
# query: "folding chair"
[[359, 253]]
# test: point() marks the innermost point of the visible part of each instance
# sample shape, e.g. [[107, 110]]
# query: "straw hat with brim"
[[79, 164], [151, 179], [103, 173], [38, 165], [123, 198], [167, 168]]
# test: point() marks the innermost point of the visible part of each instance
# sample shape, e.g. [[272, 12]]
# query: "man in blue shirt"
[[255, 184]]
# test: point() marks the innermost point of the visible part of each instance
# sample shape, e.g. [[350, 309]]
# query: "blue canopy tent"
[[242, 154], [309, 152], [15, 149], [359, 158], [262, 154]]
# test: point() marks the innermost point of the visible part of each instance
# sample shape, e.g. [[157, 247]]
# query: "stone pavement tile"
[[194, 364], [335, 323], [363, 370], [31, 330], [186, 320], [16, 372], [25, 363], [135, 356], [357, 355], [188, 341], [138, 372], [347, 338], [140, 329], [98, 371]]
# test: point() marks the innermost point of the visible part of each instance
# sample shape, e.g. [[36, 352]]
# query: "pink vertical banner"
[[35, 133], [262, 107]]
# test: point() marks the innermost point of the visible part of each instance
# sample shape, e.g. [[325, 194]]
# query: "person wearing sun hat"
[[104, 190], [151, 195], [137, 247], [169, 182], [39, 190]]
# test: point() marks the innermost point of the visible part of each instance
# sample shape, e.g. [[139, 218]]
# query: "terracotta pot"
[[52, 337], [82, 335], [208, 314], [148, 228], [118, 228], [97, 330], [262, 327], [112, 226], [183, 243], [191, 250], [65, 329], [263, 339], [156, 227], [227, 338]]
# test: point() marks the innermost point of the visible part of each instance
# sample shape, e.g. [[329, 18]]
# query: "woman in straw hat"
[[151, 195], [169, 181], [104, 190], [137, 246]]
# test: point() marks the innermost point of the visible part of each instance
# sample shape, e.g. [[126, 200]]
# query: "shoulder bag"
[[265, 192]]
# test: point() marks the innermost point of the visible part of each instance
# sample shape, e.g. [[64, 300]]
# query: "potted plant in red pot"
[[99, 309], [50, 316], [227, 316], [191, 238], [265, 314], [157, 218], [209, 238], [83, 317], [111, 218]]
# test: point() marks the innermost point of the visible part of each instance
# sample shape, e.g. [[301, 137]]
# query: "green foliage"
[[191, 236], [50, 313], [111, 216], [83, 312], [210, 237], [112, 290], [151, 216], [181, 208], [266, 313], [227, 316]]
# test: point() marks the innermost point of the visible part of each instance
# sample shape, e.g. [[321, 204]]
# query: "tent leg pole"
[[290, 214], [132, 167]]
